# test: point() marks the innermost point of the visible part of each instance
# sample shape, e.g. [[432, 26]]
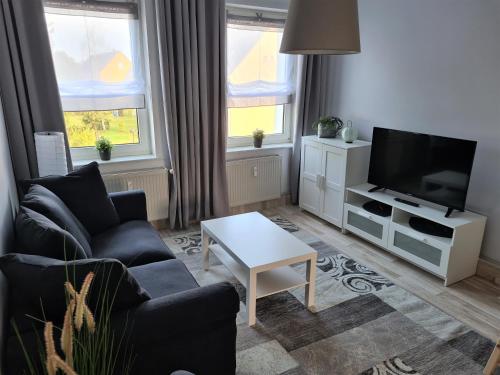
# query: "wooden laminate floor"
[[474, 301]]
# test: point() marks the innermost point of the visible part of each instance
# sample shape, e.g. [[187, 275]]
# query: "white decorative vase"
[[349, 134]]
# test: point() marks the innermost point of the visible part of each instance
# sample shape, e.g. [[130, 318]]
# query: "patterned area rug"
[[363, 323]]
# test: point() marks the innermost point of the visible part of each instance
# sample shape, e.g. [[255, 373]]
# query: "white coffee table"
[[259, 254]]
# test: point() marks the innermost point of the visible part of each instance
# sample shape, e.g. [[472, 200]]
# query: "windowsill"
[[273, 146], [123, 159], [126, 164]]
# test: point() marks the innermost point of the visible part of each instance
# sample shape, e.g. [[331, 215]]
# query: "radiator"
[[154, 183], [254, 180]]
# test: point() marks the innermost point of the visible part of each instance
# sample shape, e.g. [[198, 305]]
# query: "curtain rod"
[[110, 7], [259, 18]]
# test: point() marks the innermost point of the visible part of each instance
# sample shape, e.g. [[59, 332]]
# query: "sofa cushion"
[[36, 280], [48, 204], [164, 278], [38, 235], [84, 193], [130, 205], [134, 243]]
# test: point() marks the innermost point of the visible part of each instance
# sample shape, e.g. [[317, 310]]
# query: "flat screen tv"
[[433, 168]]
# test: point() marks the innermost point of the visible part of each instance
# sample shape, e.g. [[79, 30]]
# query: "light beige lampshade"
[[321, 27]]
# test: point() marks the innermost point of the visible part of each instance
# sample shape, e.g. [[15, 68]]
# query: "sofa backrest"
[[8, 208]]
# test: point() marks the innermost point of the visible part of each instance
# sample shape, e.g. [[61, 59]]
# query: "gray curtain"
[[192, 40], [28, 85], [311, 103]]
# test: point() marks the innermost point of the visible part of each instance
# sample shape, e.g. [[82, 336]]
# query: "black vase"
[[105, 155], [257, 142]]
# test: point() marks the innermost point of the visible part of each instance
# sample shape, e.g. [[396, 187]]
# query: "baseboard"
[[489, 270], [279, 202], [160, 224], [284, 200]]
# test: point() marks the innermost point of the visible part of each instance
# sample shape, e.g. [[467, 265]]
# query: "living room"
[[249, 187]]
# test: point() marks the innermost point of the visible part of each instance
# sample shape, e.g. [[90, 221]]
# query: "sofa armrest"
[[130, 205], [190, 312], [193, 330]]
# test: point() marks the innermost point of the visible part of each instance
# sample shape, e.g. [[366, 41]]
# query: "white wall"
[[8, 207], [433, 67]]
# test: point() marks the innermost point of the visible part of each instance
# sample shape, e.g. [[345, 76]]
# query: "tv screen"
[[433, 168]]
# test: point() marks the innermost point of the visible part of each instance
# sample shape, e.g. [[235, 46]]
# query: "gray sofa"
[[179, 325]]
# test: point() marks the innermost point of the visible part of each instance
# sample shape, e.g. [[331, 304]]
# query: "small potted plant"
[[258, 136], [104, 146], [328, 126]]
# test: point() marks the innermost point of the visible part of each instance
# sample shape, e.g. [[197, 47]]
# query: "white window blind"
[[258, 75], [96, 52]]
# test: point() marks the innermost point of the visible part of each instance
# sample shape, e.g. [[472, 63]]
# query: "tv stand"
[[410, 203], [375, 188], [450, 253], [448, 212]]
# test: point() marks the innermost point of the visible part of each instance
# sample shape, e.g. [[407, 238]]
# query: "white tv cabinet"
[[328, 166], [452, 259]]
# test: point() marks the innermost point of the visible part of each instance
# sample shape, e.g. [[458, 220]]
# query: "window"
[[261, 81], [99, 62]]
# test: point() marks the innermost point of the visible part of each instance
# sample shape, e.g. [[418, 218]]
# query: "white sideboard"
[[328, 167], [333, 186], [451, 259]]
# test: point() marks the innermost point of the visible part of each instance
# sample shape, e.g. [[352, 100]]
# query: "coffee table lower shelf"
[[268, 282]]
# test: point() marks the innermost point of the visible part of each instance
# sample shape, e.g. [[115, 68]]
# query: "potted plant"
[[104, 146], [328, 126], [87, 343], [258, 136]]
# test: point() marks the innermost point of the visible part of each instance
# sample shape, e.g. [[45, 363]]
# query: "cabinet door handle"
[[318, 181], [416, 238], [365, 215]]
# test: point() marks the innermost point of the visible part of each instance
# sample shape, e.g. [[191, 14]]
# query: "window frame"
[[145, 125], [289, 109]]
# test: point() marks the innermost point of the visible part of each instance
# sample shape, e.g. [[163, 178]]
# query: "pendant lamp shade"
[[321, 27]]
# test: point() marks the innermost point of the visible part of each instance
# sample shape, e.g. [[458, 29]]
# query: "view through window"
[[243, 121], [260, 79], [98, 62], [120, 126]]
